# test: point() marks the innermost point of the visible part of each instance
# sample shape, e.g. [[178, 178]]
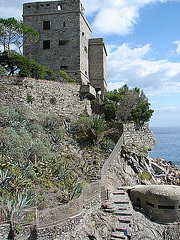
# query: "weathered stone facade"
[[97, 64], [46, 96], [65, 41]]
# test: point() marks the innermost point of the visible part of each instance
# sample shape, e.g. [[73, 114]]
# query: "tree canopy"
[[13, 31], [131, 105]]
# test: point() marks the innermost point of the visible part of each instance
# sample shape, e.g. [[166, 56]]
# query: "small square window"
[[46, 25], [46, 44], [63, 42], [64, 67]]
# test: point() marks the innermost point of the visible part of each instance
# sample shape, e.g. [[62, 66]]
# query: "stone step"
[[124, 219], [123, 208], [121, 188], [120, 192], [118, 235], [114, 238], [121, 202], [123, 213], [121, 227], [109, 210]]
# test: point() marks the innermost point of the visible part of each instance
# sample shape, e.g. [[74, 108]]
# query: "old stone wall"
[[44, 96], [139, 135]]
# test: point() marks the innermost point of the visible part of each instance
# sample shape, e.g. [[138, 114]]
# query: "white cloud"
[[116, 16], [169, 108], [11, 12], [116, 21], [178, 47], [127, 64]]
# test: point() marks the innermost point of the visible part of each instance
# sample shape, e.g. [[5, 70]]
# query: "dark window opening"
[[82, 33], [85, 49], [47, 4], [59, 7], [179, 206], [86, 72], [150, 204], [42, 5], [37, 7], [46, 44], [46, 25], [64, 67], [28, 6], [165, 207], [64, 24], [63, 42]]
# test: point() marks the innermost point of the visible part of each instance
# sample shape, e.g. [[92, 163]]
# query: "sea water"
[[168, 144]]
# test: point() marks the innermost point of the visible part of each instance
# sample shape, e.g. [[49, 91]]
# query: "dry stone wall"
[[44, 96], [139, 135]]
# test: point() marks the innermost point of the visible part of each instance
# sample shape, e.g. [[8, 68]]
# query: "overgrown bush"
[[37, 70], [109, 110], [90, 129], [2, 71], [40, 151], [63, 77], [15, 143], [53, 100], [145, 176]]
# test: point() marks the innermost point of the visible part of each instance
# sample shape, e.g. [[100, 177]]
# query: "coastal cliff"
[[132, 167]]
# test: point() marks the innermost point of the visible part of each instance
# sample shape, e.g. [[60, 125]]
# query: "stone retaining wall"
[[139, 135], [44, 96]]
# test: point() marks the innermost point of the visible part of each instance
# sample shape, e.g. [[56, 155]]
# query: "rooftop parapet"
[[53, 7]]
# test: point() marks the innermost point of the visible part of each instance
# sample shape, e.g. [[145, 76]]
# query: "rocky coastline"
[[170, 172]]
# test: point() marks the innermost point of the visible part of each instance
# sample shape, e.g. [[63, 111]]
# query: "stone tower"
[[65, 41]]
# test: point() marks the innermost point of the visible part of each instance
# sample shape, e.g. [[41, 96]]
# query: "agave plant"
[[15, 194], [91, 129]]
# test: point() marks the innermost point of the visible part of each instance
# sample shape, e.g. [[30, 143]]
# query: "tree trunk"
[[11, 232]]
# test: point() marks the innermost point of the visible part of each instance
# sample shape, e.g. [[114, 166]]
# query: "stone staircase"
[[119, 205]]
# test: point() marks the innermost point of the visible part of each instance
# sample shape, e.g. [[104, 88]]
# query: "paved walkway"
[[119, 204]]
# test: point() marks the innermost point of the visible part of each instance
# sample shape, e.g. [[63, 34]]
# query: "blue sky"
[[143, 43]]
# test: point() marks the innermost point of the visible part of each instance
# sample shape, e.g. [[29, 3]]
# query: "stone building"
[[65, 41]]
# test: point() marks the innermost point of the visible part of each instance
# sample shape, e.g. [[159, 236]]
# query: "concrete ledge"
[[88, 91]]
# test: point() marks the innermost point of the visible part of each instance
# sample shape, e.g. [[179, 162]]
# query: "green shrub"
[[37, 71], [110, 110], [63, 77], [30, 98], [53, 100], [93, 102], [145, 176], [53, 121], [56, 135], [15, 143], [90, 129], [2, 71], [40, 151]]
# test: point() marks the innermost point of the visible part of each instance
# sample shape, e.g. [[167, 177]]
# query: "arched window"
[[59, 7]]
